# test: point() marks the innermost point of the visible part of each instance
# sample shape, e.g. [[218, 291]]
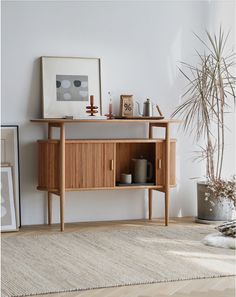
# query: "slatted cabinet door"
[[89, 165], [160, 163], [48, 165]]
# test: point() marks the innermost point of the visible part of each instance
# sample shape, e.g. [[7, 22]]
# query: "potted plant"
[[210, 93]]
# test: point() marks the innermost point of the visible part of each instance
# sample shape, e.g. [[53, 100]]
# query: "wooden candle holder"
[[91, 108]]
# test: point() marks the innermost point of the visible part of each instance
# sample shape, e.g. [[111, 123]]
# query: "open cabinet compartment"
[[125, 152]]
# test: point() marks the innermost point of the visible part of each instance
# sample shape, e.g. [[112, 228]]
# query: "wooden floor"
[[211, 287]]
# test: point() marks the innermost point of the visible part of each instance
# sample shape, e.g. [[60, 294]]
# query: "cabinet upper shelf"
[[60, 121], [117, 140]]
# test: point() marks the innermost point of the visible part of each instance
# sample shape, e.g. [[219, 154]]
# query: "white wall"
[[224, 13], [140, 44]]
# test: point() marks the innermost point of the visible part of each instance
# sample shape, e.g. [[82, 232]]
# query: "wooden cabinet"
[[93, 164], [78, 165]]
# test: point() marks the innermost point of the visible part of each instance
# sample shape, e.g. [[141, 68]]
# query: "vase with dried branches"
[[209, 95]]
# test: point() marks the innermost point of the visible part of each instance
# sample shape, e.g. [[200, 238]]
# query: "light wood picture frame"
[[10, 157], [126, 106], [8, 215], [67, 84]]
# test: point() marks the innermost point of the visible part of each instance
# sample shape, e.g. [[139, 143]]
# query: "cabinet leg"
[[149, 204], [49, 194], [167, 198], [62, 206], [167, 175], [49, 208], [62, 175]]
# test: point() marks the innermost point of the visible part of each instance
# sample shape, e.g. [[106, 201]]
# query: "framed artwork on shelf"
[[67, 83], [10, 158], [8, 215], [126, 106]]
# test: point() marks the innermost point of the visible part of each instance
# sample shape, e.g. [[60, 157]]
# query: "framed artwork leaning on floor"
[[8, 214], [10, 158]]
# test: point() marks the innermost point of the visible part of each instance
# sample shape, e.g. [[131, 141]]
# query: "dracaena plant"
[[209, 95]]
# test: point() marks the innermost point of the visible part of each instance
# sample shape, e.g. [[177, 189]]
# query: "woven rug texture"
[[128, 255]]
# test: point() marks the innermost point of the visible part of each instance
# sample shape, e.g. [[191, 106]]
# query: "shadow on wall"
[[34, 106], [28, 145]]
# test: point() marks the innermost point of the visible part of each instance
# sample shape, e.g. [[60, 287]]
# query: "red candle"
[[91, 100]]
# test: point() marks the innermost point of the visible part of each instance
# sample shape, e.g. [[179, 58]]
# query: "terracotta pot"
[[211, 209]]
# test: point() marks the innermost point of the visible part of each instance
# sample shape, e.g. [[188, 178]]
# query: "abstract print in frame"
[[8, 214], [10, 158], [67, 84]]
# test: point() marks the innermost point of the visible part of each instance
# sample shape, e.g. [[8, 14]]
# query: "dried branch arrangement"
[[221, 189]]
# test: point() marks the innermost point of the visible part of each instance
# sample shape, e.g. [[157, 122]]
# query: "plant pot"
[[209, 208]]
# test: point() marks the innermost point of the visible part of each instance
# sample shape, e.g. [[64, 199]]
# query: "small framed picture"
[[126, 106], [10, 157], [67, 84], [8, 215]]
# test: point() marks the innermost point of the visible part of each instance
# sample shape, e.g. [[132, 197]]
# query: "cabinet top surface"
[[60, 121]]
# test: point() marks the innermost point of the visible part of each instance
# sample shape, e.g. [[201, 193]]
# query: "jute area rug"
[[101, 258]]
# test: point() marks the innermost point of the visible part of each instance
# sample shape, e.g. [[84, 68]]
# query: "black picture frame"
[[17, 180]]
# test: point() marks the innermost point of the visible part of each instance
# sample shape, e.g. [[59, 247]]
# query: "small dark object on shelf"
[[110, 116], [159, 111], [68, 117]]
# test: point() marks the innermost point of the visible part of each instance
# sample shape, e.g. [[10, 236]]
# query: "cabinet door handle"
[[159, 164], [112, 164]]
